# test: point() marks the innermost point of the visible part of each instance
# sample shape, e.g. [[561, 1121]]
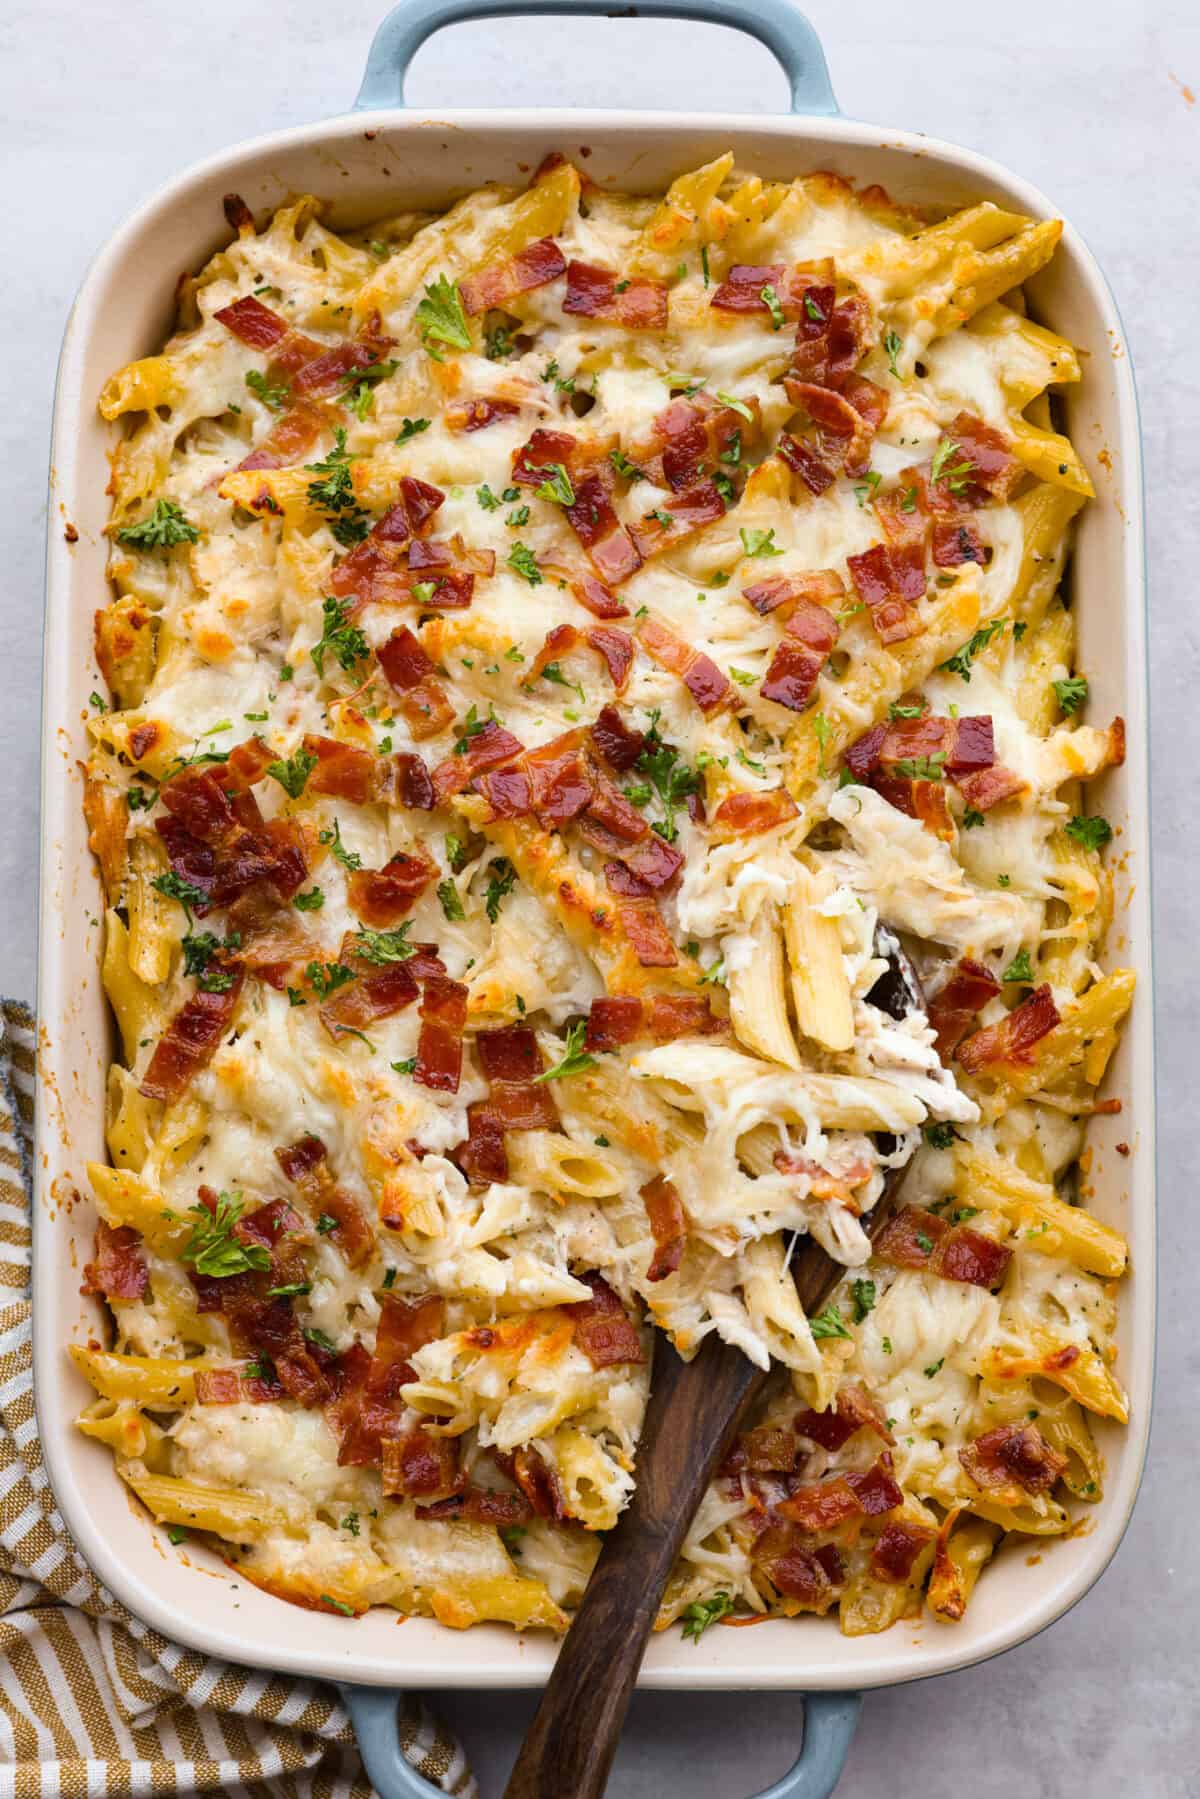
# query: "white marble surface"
[[100, 101]]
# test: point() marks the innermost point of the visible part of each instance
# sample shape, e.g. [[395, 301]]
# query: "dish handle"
[[786, 33], [830, 1720]]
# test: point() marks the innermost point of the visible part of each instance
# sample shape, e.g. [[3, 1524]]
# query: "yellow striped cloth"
[[91, 1700]]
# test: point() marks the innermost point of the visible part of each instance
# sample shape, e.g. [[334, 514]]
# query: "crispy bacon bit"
[[688, 513], [482, 1155], [219, 1386], [816, 475], [604, 1330], [639, 303], [651, 862], [342, 770], [809, 636], [480, 1505], [592, 517], [923, 800], [383, 896], [1013, 1453], [494, 286], [477, 415], [920, 1239], [597, 598], [533, 463], [699, 673], [118, 1268], [1011, 1040], [439, 1047], [616, 650], [540, 1484], [305, 1165], [994, 470], [619, 746], [641, 920], [409, 670], [844, 432], [878, 584], [511, 1061], [367, 1405], [487, 749], [957, 542], [255, 324], [376, 570], [827, 1503], [272, 935], [790, 593], [955, 1006], [413, 782], [896, 1550], [832, 1429], [668, 1226], [810, 1575], [380, 994], [990, 787], [221, 844], [421, 1466], [765, 1450], [190, 1040], [692, 435], [290, 437], [750, 814], [613, 1022]]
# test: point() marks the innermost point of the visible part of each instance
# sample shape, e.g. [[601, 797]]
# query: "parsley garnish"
[[338, 1605], [503, 880], [896, 710], [1071, 693], [960, 662], [863, 1293], [517, 517], [673, 781], [326, 977], [411, 428], [553, 673], [334, 493], [697, 1616], [829, 1323], [575, 1058], [1019, 969], [338, 637], [629, 471], [270, 395], [357, 392], [497, 344], [177, 1534], [770, 300], [868, 487], [291, 1290], [556, 486], [893, 343], [955, 474], [972, 818], [384, 946], [350, 1521], [174, 886], [452, 905], [523, 562], [736, 405], [214, 1249], [326, 1225], [1092, 833], [293, 773], [922, 768], [939, 1136], [161, 529], [487, 499], [759, 543], [333, 839], [924, 1243], [312, 901], [441, 319], [139, 799], [933, 1368], [407, 1066]]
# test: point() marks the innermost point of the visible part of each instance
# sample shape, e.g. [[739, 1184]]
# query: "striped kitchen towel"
[[91, 1700]]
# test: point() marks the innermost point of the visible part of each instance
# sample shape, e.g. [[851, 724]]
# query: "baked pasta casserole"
[[554, 646]]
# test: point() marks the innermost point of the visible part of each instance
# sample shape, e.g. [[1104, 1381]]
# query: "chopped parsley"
[[736, 405], [326, 977], [487, 499], [575, 1058], [293, 773], [350, 1521], [516, 518], [972, 819], [504, 879], [939, 1136], [829, 1323], [553, 673], [863, 1293], [696, 1617], [1092, 833], [162, 528], [743, 677], [338, 1605], [957, 475], [334, 495], [339, 638], [174, 886], [1019, 969], [441, 320], [556, 486], [629, 471], [523, 562], [759, 543], [177, 1534], [451, 904], [770, 300], [312, 901], [922, 768], [411, 428], [276, 397], [960, 662], [214, 1248], [896, 710], [326, 1225], [498, 343], [333, 839], [670, 778], [139, 799], [924, 1243], [382, 947], [407, 1066], [893, 343], [868, 487], [1071, 693], [933, 1368]]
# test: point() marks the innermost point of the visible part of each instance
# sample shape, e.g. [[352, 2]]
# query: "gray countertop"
[[100, 101]]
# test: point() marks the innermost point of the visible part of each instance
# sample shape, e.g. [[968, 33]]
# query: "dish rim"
[[473, 1667]]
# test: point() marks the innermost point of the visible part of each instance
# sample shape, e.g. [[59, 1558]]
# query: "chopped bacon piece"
[[668, 1226], [956, 542], [219, 1386], [862, 758], [816, 475], [368, 1405], [604, 1330], [639, 303], [920, 1239], [494, 286], [844, 433], [190, 1040], [380, 994], [750, 814], [641, 920], [597, 598], [540, 1484], [290, 437], [512, 1061], [487, 749], [593, 519], [324, 374], [834, 1428], [118, 1268], [827, 1503], [973, 746], [896, 1550], [375, 569], [765, 1450], [789, 593], [305, 1165], [877, 583], [221, 843], [440, 1045], [920, 799], [383, 896], [994, 470], [421, 1466], [990, 787], [534, 462], [255, 324], [809, 636], [482, 1155], [619, 746], [955, 1006], [697, 434], [699, 673], [809, 1575], [477, 415], [615, 649], [560, 640], [652, 861], [409, 670], [688, 513], [741, 290], [1011, 1040], [615, 816], [404, 780], [553, 780], [613, 1022], [272, 935], [1013, 1453], [342, 769], [479, 1505]]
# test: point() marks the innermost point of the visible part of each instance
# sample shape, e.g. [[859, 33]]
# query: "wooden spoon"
[[693, 1414]]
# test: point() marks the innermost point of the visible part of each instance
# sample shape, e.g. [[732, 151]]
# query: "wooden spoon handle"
[[569, 1747]]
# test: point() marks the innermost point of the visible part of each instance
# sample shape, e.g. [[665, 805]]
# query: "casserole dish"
[[379, 159]]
